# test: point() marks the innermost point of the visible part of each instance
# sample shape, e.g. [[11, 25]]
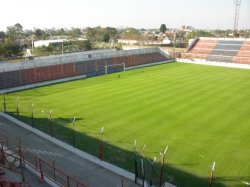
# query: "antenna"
[[237, 14]]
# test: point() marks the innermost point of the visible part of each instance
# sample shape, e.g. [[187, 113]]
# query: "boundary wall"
[[212, 63]]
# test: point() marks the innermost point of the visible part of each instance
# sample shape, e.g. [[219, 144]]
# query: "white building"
[[46, 43]]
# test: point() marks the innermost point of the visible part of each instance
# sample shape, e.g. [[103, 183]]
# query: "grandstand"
[[230, 50], [87, 64]]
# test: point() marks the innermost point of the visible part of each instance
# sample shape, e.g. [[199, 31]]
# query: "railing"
[[51, 172], [47, 172]]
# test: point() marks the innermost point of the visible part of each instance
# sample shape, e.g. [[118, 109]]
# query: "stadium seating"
[[80, 68], [2, 82], [220, 50], [89, 67], [12, 79], [201, 49], [243, 56], [42, 74], [55, 72], [68, 70], [29, 76]]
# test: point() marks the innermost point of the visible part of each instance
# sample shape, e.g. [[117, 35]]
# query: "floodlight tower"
[[237, 14]]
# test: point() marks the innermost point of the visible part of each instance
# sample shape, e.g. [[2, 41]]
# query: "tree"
[[113, 33], [43, 50], [18, 27], [14, 34], [131, 32], [75, 33], [94, 34], [84, 45], [163, 28], [106, 37], [199, 33], [39, 34], [12, 43], [2, 51], [2, 36]]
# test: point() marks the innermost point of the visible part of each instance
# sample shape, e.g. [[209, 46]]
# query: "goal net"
[[115, 68]]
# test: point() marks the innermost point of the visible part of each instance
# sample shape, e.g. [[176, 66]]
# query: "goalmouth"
[[121, 66]]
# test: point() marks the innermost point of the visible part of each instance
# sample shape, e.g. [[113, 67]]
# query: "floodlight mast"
[[236, 15]]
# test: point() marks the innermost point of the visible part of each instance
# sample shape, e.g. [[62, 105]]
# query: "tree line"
[[15, 40]]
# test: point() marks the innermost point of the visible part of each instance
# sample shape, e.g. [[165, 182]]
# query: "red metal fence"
[[48, 172]]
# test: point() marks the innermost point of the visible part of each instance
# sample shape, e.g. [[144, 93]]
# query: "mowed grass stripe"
[[200, 111]]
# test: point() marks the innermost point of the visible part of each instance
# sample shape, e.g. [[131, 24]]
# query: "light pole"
[[74, 139]]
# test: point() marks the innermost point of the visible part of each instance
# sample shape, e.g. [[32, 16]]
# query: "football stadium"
[[88, 111], [142, 109]]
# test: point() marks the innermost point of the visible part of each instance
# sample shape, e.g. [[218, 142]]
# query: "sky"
[[201, 14]]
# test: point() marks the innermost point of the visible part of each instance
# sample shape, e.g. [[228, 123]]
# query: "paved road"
[[89, 173]]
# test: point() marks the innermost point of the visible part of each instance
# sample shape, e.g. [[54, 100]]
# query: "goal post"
[[115, 66]]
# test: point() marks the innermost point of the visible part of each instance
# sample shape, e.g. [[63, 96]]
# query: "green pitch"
[[201, 112]]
